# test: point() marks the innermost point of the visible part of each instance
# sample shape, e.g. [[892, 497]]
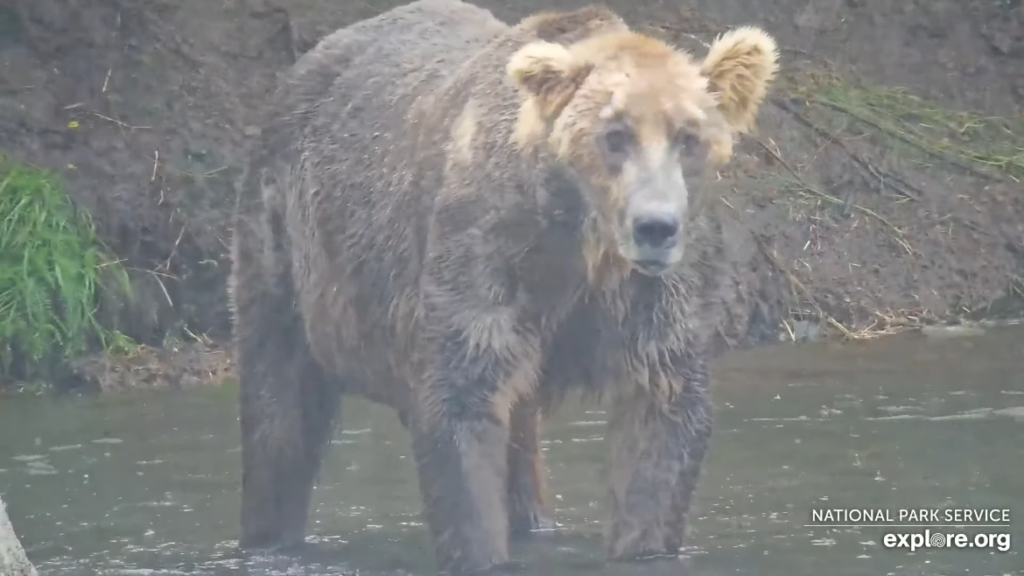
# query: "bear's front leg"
[[460, 429], [659, 434]]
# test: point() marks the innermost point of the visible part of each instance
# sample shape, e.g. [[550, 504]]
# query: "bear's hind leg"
[[288, 403], [288, 412], [526, 474]]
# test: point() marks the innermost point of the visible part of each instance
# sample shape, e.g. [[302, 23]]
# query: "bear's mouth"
[[651, 267]]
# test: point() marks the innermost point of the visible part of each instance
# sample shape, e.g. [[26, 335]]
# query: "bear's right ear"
[[548, 74]]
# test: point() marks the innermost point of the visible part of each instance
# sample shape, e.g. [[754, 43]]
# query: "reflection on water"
[[148, 483]]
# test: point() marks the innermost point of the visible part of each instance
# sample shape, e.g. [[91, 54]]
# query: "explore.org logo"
[[915, 529], [913, 541]]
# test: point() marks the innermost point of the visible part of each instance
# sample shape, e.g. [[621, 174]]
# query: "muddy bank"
[[854, 225], [143, 108], [178, 365]]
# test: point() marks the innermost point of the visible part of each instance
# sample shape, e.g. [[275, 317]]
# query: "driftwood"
[[13, 561]]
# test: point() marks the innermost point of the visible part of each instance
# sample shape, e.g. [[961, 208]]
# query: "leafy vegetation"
[[51, 270]]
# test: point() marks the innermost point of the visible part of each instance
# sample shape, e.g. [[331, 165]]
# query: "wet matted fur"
[[429, 220]]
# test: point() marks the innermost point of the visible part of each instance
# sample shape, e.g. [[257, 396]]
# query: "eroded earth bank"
[[883, 187]]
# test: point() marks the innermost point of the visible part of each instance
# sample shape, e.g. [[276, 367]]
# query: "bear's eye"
[[616, 140], [689, 143]]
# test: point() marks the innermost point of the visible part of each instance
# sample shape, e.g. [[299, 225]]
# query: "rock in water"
[[13, 561]]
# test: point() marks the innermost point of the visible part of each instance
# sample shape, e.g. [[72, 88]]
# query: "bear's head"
[[637, 121]]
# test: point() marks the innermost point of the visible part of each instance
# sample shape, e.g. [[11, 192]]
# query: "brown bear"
[[464, 220]]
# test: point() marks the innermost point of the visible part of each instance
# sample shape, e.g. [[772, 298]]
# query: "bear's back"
[[344, 108], [400, 52], [344, 136], [336, 159]]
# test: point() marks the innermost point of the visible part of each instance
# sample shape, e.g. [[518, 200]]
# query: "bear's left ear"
[[548, 74], [739, 67]]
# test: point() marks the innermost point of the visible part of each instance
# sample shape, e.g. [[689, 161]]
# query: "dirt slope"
[[857, 216]]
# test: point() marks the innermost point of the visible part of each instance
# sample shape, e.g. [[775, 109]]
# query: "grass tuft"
[[51, 268], [966, 138]]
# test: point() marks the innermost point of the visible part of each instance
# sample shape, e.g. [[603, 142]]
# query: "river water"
[[147, 483]]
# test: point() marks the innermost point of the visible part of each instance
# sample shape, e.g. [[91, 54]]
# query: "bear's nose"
[[655, 231]]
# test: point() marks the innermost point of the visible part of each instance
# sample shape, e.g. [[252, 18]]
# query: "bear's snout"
[[656, 232]]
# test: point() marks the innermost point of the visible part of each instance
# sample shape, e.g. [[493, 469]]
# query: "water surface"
[[147, 483]]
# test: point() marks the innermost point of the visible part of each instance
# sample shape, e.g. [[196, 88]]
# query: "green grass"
[[989, 143], [51, 271]]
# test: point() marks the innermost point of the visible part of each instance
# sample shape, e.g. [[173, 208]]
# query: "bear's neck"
[[566, 207]]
